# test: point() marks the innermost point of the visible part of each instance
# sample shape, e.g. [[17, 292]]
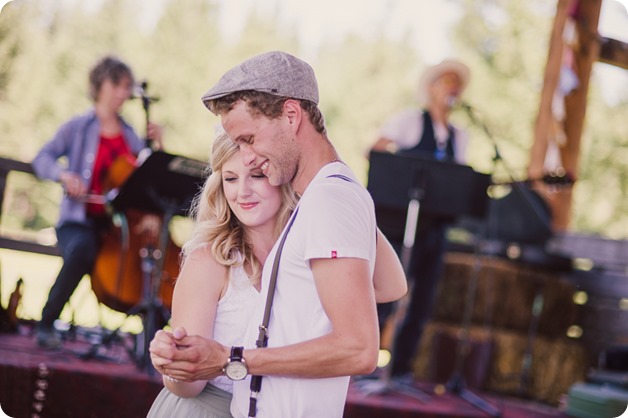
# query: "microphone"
[[136, 92], [453, 101], [139, 92]]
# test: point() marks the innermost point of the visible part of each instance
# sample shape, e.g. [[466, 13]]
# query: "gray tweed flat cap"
[[274, 72]]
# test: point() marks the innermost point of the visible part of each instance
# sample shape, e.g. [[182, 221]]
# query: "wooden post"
[[586, 52], [576, 103], [550, 83], [614, 52]]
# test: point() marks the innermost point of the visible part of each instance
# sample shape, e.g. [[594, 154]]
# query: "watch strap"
[[236, 354]]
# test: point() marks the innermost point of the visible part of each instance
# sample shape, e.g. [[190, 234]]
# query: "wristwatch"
[[236, 368]]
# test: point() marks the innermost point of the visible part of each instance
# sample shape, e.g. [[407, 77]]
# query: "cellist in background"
[[79, 156]]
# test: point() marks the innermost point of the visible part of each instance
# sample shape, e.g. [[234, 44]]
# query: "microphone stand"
[[146, 102], [456, 382], [497, 158], [387, 384], [151, 266]]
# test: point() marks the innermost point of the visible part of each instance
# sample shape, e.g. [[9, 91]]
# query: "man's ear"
[[293, 111]]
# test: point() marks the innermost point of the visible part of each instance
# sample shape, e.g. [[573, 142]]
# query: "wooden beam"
[[28, 246], [586, 52], [550, 83], [586, 55], [614, 52]]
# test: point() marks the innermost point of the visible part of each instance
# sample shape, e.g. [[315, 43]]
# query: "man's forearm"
[[326, 356]]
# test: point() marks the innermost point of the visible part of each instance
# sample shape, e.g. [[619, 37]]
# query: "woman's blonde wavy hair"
[[215, 223]]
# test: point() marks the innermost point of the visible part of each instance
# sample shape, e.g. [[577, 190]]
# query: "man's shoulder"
[[332, 177], [407, 113], [335, 188]]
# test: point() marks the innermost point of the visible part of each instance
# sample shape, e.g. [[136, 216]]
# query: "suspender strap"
[[341, 176], [262, 339]]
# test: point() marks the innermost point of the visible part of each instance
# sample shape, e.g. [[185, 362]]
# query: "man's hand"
[[155, 132]]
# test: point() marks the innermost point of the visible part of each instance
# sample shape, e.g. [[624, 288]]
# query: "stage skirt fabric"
[[212, 402]]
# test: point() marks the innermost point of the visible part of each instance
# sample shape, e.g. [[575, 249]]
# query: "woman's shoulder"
[[202, 256]]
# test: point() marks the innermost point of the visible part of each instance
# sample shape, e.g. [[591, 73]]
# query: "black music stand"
[[402, 186], [163, 185]]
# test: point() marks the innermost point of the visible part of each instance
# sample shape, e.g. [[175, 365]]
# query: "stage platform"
[[59, 383]]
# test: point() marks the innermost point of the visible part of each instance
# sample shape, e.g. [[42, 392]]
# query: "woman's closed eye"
[[245, 140]]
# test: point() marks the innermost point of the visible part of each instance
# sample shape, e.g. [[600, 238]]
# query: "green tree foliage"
[[600, 202], [47, 48], [506, 44], [375, 79]]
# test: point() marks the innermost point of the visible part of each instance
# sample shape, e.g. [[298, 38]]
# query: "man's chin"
[[274, 181]]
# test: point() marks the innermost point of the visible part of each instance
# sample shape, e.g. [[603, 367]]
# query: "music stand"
[[163, 185], [402, 186]]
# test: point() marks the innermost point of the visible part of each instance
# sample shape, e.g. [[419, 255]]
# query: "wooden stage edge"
[[37, 383]]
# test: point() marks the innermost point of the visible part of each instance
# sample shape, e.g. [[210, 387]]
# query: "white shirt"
[[406, 129], [233, 314], [335, 218]]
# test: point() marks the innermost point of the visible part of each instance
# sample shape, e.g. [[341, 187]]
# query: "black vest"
[[427, 143]]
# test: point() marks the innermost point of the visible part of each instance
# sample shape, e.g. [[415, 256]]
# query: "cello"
[[118, 277]]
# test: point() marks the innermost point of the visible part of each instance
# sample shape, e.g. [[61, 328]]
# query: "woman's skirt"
[[212, 402]]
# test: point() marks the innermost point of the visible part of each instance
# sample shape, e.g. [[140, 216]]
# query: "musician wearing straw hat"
[[424, 131]]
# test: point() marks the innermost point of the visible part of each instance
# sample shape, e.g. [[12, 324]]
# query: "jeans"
[[79, 244]]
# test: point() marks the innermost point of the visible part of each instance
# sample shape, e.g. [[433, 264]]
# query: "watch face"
[[236, 370]]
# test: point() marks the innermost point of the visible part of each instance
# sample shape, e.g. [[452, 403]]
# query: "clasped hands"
[[187, 358]]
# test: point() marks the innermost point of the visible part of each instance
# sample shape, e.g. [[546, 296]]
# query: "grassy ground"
[[39, 272]]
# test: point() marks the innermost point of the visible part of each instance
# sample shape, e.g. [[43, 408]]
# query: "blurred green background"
[[182, 47]]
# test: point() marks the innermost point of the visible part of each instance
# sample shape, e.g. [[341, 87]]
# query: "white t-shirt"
[[335, 218], [406, 129]]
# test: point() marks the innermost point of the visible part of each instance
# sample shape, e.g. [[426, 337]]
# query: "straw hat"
[[432, 73]]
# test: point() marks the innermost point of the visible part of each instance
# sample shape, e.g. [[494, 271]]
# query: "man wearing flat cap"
[[425, 132], [323, 320]]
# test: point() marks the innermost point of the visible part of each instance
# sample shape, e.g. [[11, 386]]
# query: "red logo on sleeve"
[[334, 254]]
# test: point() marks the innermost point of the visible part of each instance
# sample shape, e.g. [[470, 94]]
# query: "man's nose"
[[248, 155]]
